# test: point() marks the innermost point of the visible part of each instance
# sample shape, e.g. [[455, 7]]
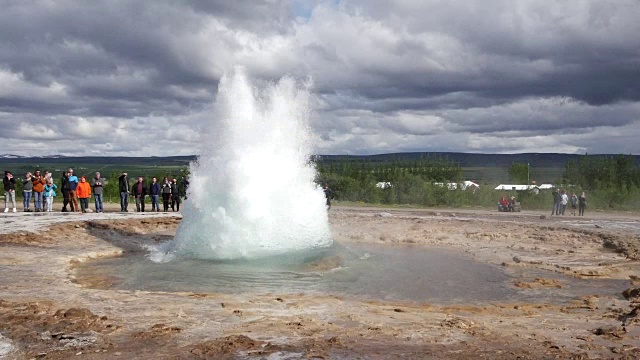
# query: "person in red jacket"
[[503, 203], [84, 193]]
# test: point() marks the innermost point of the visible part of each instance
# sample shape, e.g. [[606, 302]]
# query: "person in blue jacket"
[[50, 193], [73, 197]]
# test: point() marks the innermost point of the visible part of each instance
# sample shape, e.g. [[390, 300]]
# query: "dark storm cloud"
[[251, 15], [499, 49], [423, 75], [113, 51]]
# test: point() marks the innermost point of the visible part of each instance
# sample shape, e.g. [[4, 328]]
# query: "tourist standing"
[[123, 185], [64, 186], [166, 193], [574, 204], [139, 193], [84, 193], [38, 189], [175, 196], [185, 187], [582, 203], [73, 196], [27, 191], [564, 200], [97, 184], [328, 194], [9, 190], [154, 193], [557, 200], [49, 193]]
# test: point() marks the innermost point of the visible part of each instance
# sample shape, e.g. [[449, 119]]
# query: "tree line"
[[611, 182], [412, 182]]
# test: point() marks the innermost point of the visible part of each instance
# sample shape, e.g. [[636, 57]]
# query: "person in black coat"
[[123, 185], [9, 183], [328, 194], [154, 193], [165, 189], [557, 202], [139, 191], [175, 196], [64, 186]]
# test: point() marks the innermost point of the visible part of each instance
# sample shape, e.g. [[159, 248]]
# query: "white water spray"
[[252, 192]]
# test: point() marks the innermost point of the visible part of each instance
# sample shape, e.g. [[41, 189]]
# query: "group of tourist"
[[77, 192], [561, 200], [507, 204], [37, 186], [169, 190]]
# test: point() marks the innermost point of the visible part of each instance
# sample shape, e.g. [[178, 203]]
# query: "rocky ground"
[[50, 310]]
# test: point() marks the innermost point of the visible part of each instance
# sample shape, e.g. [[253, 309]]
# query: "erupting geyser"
[[252, 192]]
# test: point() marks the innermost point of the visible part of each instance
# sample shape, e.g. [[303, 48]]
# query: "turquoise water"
[[373, 272]]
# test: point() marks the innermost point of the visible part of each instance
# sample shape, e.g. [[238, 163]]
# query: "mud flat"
[[51, 309]]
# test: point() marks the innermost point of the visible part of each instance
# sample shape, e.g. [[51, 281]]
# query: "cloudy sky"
[[137, 78]]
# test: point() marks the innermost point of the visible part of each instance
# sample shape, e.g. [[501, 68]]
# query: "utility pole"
[[528, 182]]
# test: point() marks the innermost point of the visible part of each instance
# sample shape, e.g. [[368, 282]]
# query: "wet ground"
[[556, 283]]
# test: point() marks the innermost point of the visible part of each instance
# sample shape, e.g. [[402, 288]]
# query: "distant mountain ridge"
[[542, 160], [481, 168], [61, 159]]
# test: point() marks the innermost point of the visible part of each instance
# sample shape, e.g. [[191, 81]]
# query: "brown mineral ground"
[[51, 310]]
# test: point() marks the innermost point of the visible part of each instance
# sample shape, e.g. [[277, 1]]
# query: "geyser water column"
[[252, 192]]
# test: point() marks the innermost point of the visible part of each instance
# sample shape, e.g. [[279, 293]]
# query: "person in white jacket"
[[564, 201]]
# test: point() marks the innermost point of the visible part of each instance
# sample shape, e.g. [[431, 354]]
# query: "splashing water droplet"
[[252, 192]]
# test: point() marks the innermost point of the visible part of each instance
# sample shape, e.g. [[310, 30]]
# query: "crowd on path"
[[561, 200], [170, 191], [76, 192], [507, 204]]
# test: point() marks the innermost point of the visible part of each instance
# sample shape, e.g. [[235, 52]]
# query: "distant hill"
[[71, 160], [463, 159], [489, 168], [544, 160], [486, 168], [89, 165]]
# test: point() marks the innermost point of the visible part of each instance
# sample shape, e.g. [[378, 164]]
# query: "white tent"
[[508, 187]]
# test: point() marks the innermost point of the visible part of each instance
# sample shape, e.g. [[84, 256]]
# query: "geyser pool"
[[364, 271], [252, 192]]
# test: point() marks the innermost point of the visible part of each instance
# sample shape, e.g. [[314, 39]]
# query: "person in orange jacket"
[[84, 193], [38, 190]]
